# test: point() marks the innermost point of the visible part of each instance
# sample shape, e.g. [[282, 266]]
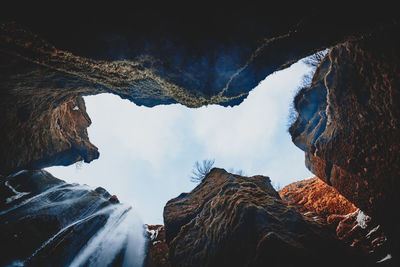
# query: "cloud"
[[148, 133], [146, 154], [254, 127]]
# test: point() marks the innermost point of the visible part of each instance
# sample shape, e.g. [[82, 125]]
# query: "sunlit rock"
[[349, 125], [231, 220]]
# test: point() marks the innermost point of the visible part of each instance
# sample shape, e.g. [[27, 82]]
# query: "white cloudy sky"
[[146, 154]]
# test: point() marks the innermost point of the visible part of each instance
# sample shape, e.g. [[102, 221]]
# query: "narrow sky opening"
[[147, 154]]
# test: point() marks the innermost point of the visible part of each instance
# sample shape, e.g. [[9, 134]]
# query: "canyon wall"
[[323, 203], [230, 220], [157, 248], [45, 221], [348, 125], [209, 55]]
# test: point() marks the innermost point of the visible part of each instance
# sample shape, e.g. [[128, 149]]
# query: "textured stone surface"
[[321, 202], [230, 220], [314, 197], [348, 125], [209, 55], [349, 118], [45, 221], [157, 249]]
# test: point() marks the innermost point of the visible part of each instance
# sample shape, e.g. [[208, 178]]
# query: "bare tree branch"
[[200, 170]]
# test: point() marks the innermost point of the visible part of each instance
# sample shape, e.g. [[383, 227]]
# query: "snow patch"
[[153, 233], [362, 219], [388, 257]]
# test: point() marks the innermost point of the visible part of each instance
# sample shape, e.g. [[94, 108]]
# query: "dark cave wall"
[[348, 125], [208, 56], [349, 118], [231, 220]]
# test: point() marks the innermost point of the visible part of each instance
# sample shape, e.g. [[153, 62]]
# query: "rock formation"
[[230, 220], [47, 222], [316, 198], [321, 202], [348, 122], [348, 125], [157, 251], [208, 55]]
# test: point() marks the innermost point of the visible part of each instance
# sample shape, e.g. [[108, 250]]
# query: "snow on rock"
[[363, 219], [17, 194], [16, 174], [153, 233], [388, 257], [315, 198], [372, 231]]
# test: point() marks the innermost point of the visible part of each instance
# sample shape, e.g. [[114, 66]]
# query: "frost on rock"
[[153, 233], [16, 174], [372, 231], [388, 257], [17, 194], [362, 219]]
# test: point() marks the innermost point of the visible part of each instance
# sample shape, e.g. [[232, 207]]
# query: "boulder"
[[231, 220]]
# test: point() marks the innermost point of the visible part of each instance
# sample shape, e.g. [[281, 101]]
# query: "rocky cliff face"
[[47, 222], [321, 202], [348, 121], [232, 220], [197, 57], [316, 198], [157, 249], [348, 125]]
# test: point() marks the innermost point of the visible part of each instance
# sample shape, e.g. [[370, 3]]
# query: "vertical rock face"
[[157, 248], [321, 202], [348, 125], [47, 222], [60, 132], [151, 56], [230, 220]]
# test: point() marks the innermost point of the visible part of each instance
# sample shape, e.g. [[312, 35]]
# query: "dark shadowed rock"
[[114, 199], [321, 202], [46, 222], [157, 250], [151, 55], [230, 220], [211, 54], [349, 126]]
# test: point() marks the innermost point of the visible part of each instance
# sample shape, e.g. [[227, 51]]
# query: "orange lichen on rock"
[[323, 203], [315, 196]]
